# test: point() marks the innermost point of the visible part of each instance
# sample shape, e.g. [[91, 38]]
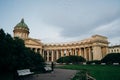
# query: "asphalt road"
[[57, 74]]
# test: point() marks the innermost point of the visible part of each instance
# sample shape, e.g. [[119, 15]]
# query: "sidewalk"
[[58, 74]]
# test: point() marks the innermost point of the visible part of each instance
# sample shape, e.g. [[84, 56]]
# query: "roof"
[[22, 24], [114, 46]]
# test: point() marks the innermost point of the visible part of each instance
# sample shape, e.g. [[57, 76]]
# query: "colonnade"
[[89, 53], [54, 54]]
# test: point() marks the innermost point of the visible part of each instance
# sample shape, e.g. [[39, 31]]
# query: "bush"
[[111, 58], [71, 59], [81, 75]]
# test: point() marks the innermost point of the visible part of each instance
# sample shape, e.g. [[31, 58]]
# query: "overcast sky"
[[63, 20]]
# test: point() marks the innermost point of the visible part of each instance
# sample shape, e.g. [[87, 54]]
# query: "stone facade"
[[93, 48], [114, 49]]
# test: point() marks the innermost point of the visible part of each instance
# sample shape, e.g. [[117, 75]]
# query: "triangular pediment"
[[32, 42]]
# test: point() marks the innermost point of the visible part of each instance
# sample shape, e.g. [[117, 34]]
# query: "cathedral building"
[[92, 48]]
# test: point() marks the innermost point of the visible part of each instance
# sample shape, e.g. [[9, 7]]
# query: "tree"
[[6, 50], [14, 55], [2, 34]]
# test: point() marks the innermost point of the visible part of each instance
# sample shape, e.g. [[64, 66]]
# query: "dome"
[[22, 25], [21, 30]]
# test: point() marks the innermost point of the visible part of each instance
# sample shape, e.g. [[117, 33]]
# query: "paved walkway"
[[58, 74]]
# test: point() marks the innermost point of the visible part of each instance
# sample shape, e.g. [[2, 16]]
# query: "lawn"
[[99, 72]]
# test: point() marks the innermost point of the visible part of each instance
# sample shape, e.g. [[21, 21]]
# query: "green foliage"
[[111, 58], [81, 75], [14, 55], [71, 59]]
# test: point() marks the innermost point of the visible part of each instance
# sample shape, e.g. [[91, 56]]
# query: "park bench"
[[84, 63], [47, 68], [93, 63], [24, 72], [103, 63], [115, 63]]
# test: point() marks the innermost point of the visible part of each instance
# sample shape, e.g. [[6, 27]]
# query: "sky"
[[54, 21]]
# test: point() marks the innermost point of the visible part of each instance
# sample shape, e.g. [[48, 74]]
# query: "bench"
[[103, 63], [84, 63], [24, 72], [93, 63], [115, 63], [47, 68]]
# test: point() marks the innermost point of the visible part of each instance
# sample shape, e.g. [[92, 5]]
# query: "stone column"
[[76, 52], [57, 53], [42, 53], [67, 53], [52, 56], [82, 52], [35, 49], [91, 48], [85, 54], [62, 53], [73, 52], [48, 55], [90, 54], [38, 50], [79, 51]]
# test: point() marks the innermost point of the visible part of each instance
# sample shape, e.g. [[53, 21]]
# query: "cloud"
[[77, 19], [63, 20], [111, 29]]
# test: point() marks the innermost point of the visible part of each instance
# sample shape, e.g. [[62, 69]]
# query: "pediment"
[[32, 42]]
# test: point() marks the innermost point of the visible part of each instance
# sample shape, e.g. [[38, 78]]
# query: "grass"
[[99, 72]]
